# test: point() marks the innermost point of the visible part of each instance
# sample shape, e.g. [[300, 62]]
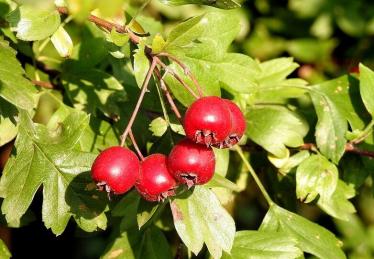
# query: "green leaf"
[[141, 65], [310, 237], [332, 124], [127, 208], [227, 4], [48, 158], [338, 205], [201, 43], [62, 42], [263, 245], [4, 251], [146, 210], [133, 244], [32, 23], [159, 126], [275, 127], [8, 124], [316, 176], [220, 181], [13, 86], [367, 87], [199, 218], [94, 89], [285, 165]]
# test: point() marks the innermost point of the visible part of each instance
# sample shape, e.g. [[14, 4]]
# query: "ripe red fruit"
[[208, 121], [191, 163], [155, 182], [116, 169], [238, 124]]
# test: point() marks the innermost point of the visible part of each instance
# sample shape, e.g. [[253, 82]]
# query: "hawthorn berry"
[[208, 121], [238, 124], [191, 163], [116, 169], [155, 183]]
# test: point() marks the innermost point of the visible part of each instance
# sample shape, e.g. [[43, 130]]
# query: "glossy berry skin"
[[155, 183], [208, 121], [238, 124], [191, 163], [116, 169]]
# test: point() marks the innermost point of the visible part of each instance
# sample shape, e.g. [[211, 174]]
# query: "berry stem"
[[136, 145], [186, 70], [254, 175], [177, 77], [141, 97], [167, 93]]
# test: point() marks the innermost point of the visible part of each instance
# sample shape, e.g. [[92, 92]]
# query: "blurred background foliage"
[[328, 38]]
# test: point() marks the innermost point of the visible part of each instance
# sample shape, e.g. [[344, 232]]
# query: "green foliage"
[[69, 85]]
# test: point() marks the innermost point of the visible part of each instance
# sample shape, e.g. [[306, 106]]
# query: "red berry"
[[116, 169], [191, 163], [238, 124], [208, 121], [155, 182]]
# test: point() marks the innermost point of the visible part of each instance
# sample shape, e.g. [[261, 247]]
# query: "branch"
[[109, 26], [349, 148]]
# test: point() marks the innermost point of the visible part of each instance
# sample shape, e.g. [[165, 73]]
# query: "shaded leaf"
[[223, 4], [4, 251], [13, 86], [141, 65], [8, 123]]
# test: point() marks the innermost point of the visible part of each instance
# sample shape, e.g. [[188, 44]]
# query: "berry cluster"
[[209, 121]]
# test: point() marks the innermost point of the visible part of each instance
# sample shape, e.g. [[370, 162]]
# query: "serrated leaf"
[[199, 218], [8, 123], [263, 245], [159, 126], [48, 158], [332, 124], [13, 86], [33, 23], [141, 65], [274, 128], [338, 205], [223, 4], [367, 87], [310, 237], [316, 176], [62, 42], [4, 251], [201, 43]]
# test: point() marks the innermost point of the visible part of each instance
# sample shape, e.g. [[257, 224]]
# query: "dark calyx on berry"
[[208, 121], [155, 183], [238, 125], [191, 163], [115, 169]]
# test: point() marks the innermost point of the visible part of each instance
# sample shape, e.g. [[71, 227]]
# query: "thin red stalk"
[[109, 26], [186, 70], [141, 97], [177, 77], [167, 94], [136, 145]]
